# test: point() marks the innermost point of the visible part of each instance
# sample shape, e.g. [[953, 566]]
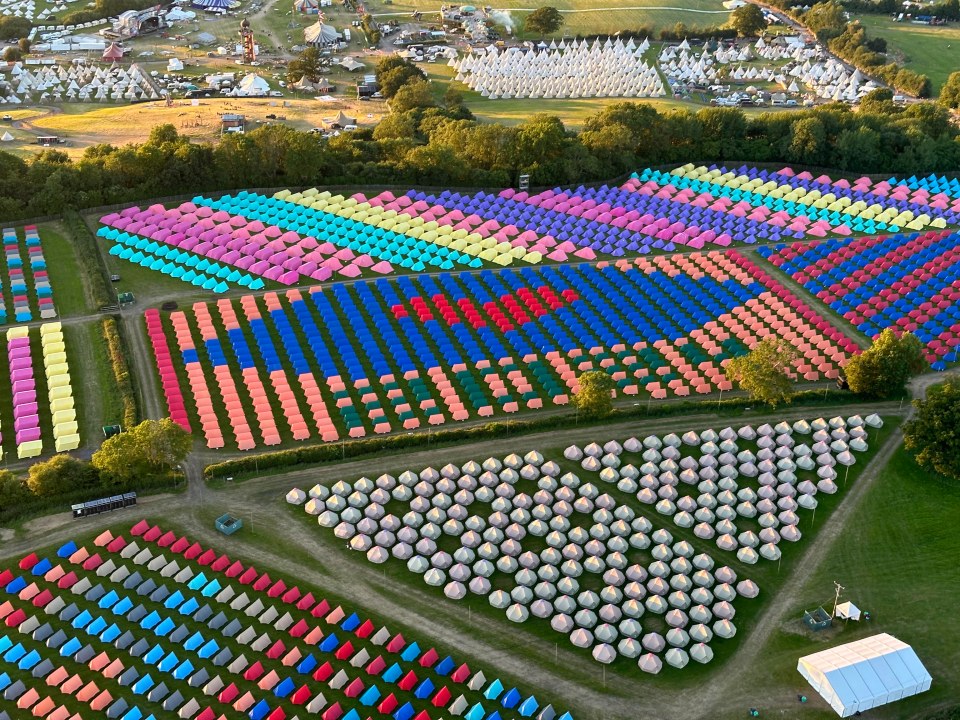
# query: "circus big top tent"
[[865, 674]]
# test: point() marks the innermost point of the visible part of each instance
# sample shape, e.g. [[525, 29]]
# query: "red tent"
[[262, 582], [140, 528], [344, 651], [408, 681], [299, 629], [113, 52], [301, 695], [323, 672], [321, 608], [305, 602], [191, 552], [441, 698], [396, 643], [429, 658], [117, 544], [166, 540], [376, 666], [460, 674], [365, 629], [29, 561], [248, 575]]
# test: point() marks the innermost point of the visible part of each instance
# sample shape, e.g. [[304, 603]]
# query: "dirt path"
[[148, 399], [494, 642]]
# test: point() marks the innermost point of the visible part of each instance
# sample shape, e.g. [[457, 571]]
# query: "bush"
[[335, 452], [121, 370], [88, 254]]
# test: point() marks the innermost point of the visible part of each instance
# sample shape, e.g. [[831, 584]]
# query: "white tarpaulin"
[[847, 611], [865, 674]]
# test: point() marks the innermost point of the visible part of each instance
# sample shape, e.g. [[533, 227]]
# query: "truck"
[[346, 35]]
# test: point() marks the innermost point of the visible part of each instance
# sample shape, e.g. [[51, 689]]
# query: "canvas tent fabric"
[[320, 34], [865, 674], [847, 611]]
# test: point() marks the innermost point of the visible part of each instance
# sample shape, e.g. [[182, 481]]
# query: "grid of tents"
[[152, 625], [909, 283], [374, 357], [248, 239], [27, 386], [618, 546], [27, 290]]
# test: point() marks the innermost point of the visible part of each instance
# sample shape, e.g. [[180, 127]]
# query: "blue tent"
[[260, 710], [284, 687], [493, 690]]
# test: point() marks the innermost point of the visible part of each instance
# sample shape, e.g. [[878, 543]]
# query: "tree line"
[[427, 140]]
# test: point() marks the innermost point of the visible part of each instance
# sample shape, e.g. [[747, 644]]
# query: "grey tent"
[[222, 657], [14, 691], [69, 612], [160, 594], [124, 641], [42, 669], [203, 613], [139, 647], [95, 593], [43, 632], [85, 654], [146, 587], [218, 621], [119, 707], [128, 676], [199, 678], [137, 614], [133, 580], [174, 701], [158, 692], [180, 634], [232, 628], [56, 640]]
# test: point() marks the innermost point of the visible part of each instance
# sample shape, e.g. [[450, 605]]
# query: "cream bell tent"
[[865, 674], [847, 611]]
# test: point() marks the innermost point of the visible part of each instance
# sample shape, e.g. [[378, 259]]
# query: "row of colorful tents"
[[140, 626], [910, 283], [24, 393], [21, 285], [390, 354]]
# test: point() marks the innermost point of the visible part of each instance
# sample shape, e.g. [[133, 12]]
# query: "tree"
[[12, 26], [59, 475], [882, 370], [825, 17], [762, 372], [309, 64], [543, 21], [372, 30], [11, 53], [748, 20], [412, 95], [24, 44], [594, 398], [393, 72], [934, 432], [13, 492], [150, 449], [950, 92]]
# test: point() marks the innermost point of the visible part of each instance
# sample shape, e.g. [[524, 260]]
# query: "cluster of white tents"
[[489, 508], [578, 69], [764, 489], [82, 83], [828, 78], [584, 530]]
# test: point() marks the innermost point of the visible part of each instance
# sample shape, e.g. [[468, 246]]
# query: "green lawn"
[[67, 283], [897, 558], [582, 17], [768, 575], [927, 49]]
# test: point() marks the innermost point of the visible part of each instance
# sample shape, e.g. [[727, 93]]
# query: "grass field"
[[895, 558], [768, 575], [583, 17], [927, 49], [67, 283]]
